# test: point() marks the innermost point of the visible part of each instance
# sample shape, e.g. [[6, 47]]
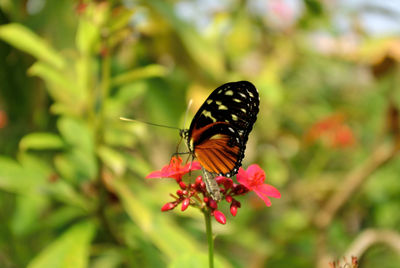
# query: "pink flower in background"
[[332, 131], [253, 178]]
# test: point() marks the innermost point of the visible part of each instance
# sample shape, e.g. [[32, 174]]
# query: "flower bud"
[[236, 203], [234, 209], [179, 192], [185, 204], [219, 217], [240, 189], [206, 199], [182, 185], [168, 206], [228, 183], [198, 180], [220, 179], [228, 198], [212, 204]]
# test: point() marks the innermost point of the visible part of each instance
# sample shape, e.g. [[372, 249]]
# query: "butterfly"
[[219, 130]]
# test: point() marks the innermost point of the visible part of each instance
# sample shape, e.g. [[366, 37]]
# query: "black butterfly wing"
[[219, 131]]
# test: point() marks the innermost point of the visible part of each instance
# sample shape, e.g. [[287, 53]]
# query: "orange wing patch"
[[216, 156]]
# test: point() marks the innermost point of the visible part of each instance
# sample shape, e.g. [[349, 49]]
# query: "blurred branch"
[[380, 156], [370, 237], [355, 178]]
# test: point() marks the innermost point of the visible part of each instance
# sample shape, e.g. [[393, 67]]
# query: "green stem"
[[99, 129], [210, 240]]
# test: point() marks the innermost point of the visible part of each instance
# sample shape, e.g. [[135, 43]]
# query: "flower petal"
[[154, 174], [189, 166], [268, 190], [242, 177], [254, 171], [196, 165], [264, 198]]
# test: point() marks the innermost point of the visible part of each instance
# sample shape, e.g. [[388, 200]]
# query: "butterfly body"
[[219, 131]]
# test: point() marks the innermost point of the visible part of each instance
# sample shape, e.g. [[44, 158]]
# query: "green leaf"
[[121, 19], [87, 36], [35, 164], [152, 70], [129, 92], [112, 159], [24, 39], [71, 250], [64, 192], [41, 141], [59, 87], [13, 177], [138, 165], [76, 166], [172, 240], [204, 53], [28, 212], [197, 260], [76, 133], [193, 261], [110, 258], [62, 216]]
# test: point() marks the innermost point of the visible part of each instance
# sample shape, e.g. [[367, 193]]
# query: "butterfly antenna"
[[182, 130], [148, 123]]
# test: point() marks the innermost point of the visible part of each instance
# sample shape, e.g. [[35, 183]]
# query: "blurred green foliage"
[[72, 187]]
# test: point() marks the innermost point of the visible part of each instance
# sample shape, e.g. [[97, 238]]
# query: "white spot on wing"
[[229, 93], [234, 117], [222, 107], [209, 115], [250, 94], [237, 100], [242, 94], [243, 110], [209, 101]]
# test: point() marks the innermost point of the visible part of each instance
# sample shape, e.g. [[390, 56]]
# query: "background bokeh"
[[73, 191]]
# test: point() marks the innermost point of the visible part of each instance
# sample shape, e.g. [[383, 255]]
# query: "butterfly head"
[[184, 133]]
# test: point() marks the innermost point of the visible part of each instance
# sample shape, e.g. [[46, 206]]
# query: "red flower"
[[332, 131], [343, 137], [174, 169], [195, 193], [253, 178]]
